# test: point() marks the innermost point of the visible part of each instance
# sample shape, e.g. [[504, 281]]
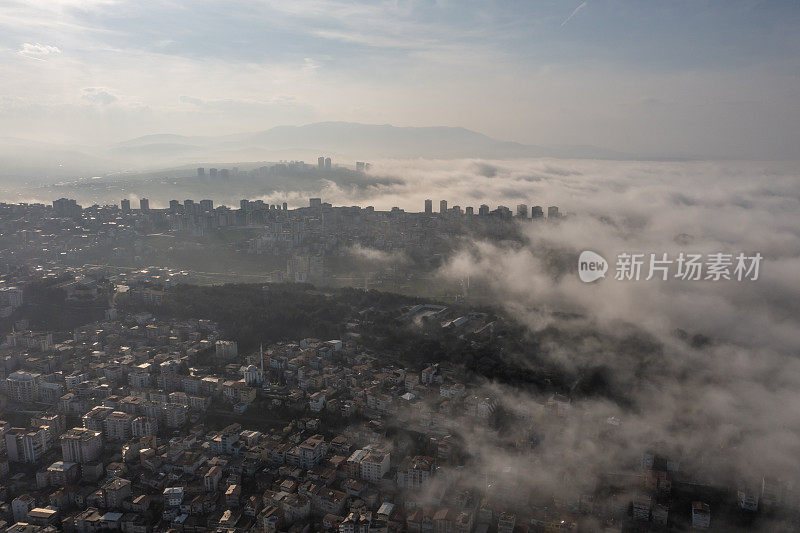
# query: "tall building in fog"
[[552, 212], [212, 172], [327, 163], [321, 162], [174, 206], [315, 202], [428, 207], [522, 210], [483, 210], [470, 211], [125, 204], [201, 172], [443, 206], [536, 212], [503, 211], [66, 207], [188, 206], [206, 206], [144, 205]]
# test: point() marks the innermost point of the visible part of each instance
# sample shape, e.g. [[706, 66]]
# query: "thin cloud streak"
[[574, 12]]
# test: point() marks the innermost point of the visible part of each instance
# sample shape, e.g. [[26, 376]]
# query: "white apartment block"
[[27, 446], [139, 380], [374, 465], [23, 387], [143, 426], [174, 415], [118, 426], [226, 349], [81, 445], [415, 473]]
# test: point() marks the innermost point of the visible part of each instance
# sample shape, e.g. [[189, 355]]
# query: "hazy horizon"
[[710, 79]]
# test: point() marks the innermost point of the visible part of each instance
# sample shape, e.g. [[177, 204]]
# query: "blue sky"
[[666, 78]]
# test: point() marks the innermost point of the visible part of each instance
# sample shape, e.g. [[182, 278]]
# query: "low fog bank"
[[721, 391], [718, 391]]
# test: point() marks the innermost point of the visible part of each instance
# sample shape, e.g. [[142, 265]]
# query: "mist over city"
[[399, 267]]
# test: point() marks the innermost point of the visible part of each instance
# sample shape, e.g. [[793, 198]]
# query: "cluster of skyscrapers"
[[144, 205], [522, 211], [213, 173]]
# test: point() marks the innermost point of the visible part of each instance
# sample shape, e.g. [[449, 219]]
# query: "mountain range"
[[344, 141]]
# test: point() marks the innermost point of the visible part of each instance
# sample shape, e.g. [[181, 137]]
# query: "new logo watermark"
[[684, 266], [591, 266]]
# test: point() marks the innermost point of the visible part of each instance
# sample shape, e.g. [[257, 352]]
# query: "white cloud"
[[98, 95], [38, 51], [309, 65]]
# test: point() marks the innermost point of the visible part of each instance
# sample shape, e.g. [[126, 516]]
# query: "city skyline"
[[189, 206]]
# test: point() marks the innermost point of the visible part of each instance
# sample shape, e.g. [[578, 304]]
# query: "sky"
[[714, 79]]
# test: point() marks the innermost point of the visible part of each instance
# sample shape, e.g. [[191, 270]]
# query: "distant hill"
[[364, 141], [341, 140], [22, 159]]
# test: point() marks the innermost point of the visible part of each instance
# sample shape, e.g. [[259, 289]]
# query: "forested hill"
[[254, 314]]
